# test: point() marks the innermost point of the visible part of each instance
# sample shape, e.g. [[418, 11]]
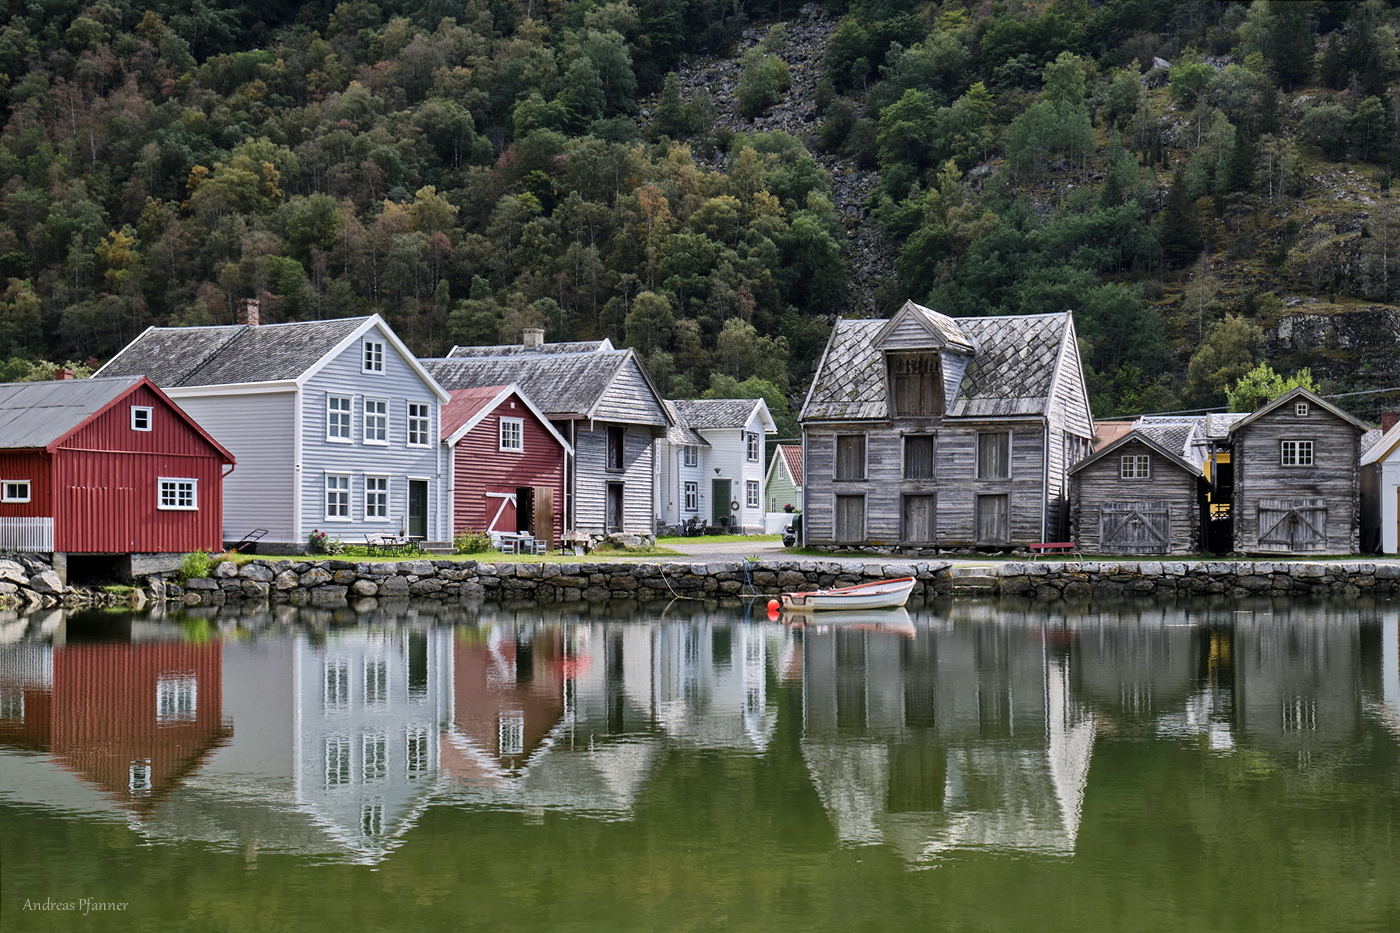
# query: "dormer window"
[[916, 383], [140, 418]]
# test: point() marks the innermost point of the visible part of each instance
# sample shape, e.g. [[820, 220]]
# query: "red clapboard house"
[[508, 463], [106, 466]]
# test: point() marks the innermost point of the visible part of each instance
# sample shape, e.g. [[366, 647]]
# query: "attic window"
[[373, 356], [1135, 466], [1300, 409], [140, 418], [916, 384]]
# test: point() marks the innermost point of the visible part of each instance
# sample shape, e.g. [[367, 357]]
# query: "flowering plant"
[[319, 542]]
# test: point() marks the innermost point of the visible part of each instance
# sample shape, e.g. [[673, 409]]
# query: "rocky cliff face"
[[868, 252], [1342, 345]]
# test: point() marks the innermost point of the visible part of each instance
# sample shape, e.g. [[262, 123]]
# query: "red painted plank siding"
[[481, 466], [35, 466]]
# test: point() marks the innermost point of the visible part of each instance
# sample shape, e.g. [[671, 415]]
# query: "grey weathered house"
[[1296, 467], [1138, 495], [601, 401], [929, 431]]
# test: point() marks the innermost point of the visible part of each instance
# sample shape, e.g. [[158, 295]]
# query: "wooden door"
[[1293, 524], [994, 519], [615, 498], [850, 519], [920, 525], [544, 514], [719, 501], [418, 508], [1135, 528]]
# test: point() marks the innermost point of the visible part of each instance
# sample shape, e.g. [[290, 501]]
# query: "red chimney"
[[1387, 420], [248, 311], [65, 374]]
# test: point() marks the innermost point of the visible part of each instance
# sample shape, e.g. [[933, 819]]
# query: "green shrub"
[[319, 542], [195, 565], [471, 542]]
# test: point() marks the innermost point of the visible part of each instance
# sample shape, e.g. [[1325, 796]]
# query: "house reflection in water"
[[1387, 703], [965, 737], [132, 719]]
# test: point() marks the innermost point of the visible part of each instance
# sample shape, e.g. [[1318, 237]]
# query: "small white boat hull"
[[880, 594], [895, 621]]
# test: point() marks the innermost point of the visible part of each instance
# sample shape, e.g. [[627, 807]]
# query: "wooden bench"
[[1053, 548]]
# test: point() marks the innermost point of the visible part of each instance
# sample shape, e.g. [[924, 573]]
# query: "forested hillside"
[[1205, 184]]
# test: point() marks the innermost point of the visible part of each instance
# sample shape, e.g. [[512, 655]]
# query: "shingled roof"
[[562, 384], [517, 349], [230, 354], [679, 433], [35, 414], [702, 413], [1013, 368]]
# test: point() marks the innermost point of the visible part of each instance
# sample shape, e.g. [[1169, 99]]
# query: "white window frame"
[[1300, 409], [142, 418], [337, 497], [690, 455], [692, 497], [376, 497], [1135, 466], [177, 494], [340, 419], [420, 424], [511, 435], [751, 447], [177, 696], [372, 356], [16, 490], [376, 414], [1295, 452], [752, 497]]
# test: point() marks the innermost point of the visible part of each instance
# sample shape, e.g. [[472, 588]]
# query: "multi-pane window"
[[690, 455], [751, 495], [417, 751], [377, 497], [512, 434], [336, 683], [1296, 453], [15, 490], [374, 756], [138, 777], [376, 680], [337, 496], [376, 421], [140, 418], [419, 425], [617, 445], [373, 359], [337, 760], [511, 729], [692, 497], [751, 446], [918, 456], [338, 418], [850, 456], [1300, 409], [1134, 466], [178, 494], [994, 455]]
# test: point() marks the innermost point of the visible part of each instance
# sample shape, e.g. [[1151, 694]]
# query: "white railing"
[[26, 534]]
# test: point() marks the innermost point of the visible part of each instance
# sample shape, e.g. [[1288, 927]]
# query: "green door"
[[719, 501]]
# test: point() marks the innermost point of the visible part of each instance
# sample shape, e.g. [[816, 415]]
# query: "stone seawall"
[[337, 583], [340, 583]]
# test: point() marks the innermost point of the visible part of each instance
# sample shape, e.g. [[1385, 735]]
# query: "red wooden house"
[[508, 463], [106, 467]]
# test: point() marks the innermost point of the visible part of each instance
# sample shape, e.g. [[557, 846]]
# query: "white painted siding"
[[260, 431], [399, 384]]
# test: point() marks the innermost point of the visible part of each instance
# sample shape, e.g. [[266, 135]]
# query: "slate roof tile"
[[561, 384]]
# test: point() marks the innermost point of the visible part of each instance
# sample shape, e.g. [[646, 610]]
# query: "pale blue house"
[[334, 424]]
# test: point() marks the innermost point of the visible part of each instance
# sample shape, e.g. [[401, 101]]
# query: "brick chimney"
[[248, 311], [1387, 420], [533, 337], [63, 375]]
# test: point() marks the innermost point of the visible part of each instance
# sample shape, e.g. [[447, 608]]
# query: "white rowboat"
[[881, 594]]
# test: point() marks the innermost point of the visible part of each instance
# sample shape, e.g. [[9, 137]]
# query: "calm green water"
[[969, 766]]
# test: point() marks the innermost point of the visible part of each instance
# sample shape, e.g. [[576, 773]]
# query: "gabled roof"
[[37, 415], [1293, 395], [1138, 436], [468, 407], [516, 349], [1013, 371], [1106, 432], [718, 413], [942, 330], [788, 458], [1383, 447], [679, 433], [563, 385], [241, 354]]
